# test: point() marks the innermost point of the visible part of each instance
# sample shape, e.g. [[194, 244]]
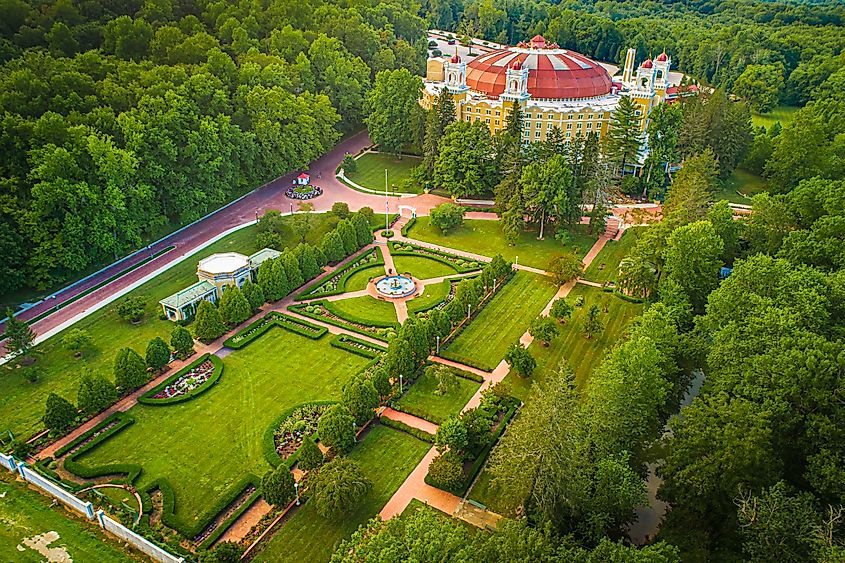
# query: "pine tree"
[[59, 414], [307, 262], [277, 486], [18, 335], [294, 274], [208, 324], [333, 247], [234, 307], [310, 456], [623, 138], [320, 257], [182, 342], [280, 278], [347, 236], [130, 372], [254, 295], [158, 353], [437, 119], [362, 230], [95, 394]]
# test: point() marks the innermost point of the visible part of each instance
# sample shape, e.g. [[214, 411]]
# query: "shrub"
[[447, 216], [277, 486], [76, 339], [446, 472], [341, 208], [349, 165], [95, 394], [59, 414], [132, 309], [310, 456], [336, 429], [182, 342], [158, 353], [452, 434], [339, 486]]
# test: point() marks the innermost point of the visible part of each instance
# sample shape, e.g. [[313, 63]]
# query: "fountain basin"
[[396, 286]]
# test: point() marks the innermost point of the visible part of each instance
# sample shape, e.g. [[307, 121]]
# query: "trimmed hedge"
[[343, 341], [433, 254], [268, 321], [485, 451], [464, 360], [392, 218], [408, 226], [303, 328], [148, 397], [345, 273], [131, 470], [417, 413], [268, 443], [402, 427], [82, 437], [341, 324], [227, 523]]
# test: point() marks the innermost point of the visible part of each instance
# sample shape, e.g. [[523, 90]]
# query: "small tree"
[[543, 329], [310, 456], [332, 246], [158, 353], [593, 323], [447, 216], [444, 377], [339, 486], [277, 486], [95, 394], [132, 309], [348, 236], [566, 268], [349, 164], [451, 435], [234, 307], [520, 359], [446, 472], [130, 371], [208, 324], [362, 229], [561, 310], [341, 208], [381, 382], [182, 342], [254, 295], [59, 414], [337, 429], [361, 398], [18, 334], [76, 340]]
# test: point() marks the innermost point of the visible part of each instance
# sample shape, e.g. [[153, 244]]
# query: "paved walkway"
[[415, 487], [410, 420]]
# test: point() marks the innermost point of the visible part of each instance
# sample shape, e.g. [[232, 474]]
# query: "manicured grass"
[[387, 457], [365, 310], [370, 172], [421, 267], [421, 399], [740, 187], [359, 279], [22, 403], [203, 446], [783, 114], [503, 320], [485, 237], [583, 355], [605, 266], [432, 295], [25, 513]]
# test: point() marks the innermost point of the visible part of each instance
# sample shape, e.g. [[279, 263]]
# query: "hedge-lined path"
[[415, 487], [460, 366], [245, 522], [410, 420]]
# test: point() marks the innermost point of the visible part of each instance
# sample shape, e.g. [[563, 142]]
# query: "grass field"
[[22, 403], [205, 445], [783, 114], [605, 266], [740, 187], [359, 279], [365, 310], [370, 173], [486, 238], [422, 401], [387, 457], [25, 513], [432, 295], [421, 267], [503, 320]]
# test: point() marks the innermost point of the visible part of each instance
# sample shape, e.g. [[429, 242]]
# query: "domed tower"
[[516, 82], [455, 71], [661, 74]]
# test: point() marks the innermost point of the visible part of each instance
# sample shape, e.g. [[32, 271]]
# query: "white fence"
[[86, 509]]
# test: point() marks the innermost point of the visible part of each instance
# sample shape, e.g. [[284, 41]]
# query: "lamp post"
[[291, 209], [516, 261], [256, 216], [469, 310], [355, 431], [438, 345], [386, 204], [400, 384], [296, 488]]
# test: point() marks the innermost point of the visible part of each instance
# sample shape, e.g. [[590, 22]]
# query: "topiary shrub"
[[446, 472]]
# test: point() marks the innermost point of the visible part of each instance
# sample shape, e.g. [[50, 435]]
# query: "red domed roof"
[[648, 63], [663, 57], [552, 72]]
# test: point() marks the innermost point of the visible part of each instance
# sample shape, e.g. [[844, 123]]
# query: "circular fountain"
[[396, 286]]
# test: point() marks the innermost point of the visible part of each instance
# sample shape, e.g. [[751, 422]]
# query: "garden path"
[[415, 487], [410, 420], [241, 527]]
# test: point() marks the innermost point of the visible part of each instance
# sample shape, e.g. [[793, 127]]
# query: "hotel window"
[[569, 116], [527, 116], [579, 125], [469, 117], [550, 125], [497, 122], [498, 112], [488, 112], [568, 135], [537, 133], [590, 116], [569, 126], [589, 125], [487, 119]]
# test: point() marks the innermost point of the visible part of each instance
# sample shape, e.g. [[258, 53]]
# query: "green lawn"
[[486, 238], [387, 457], [359, 279], [22, 403], [503, 320], [432, 295], [421, 267], [421, 400], [370, 173], [365, 310], [783, 114], [25, 513], [205, 445], [740, 187], [605, 266]]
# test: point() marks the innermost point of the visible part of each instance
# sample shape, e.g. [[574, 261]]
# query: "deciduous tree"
[[339, 486], [520, 359]]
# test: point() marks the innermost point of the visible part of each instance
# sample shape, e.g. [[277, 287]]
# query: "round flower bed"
[[187, 382], [300, 423], [303, 192]]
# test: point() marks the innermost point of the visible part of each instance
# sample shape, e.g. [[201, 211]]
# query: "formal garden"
[[368, 172]]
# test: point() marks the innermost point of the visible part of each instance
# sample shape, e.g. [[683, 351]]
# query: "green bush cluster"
[[131, 470], [268, 441], [345, 342], [148, 398]]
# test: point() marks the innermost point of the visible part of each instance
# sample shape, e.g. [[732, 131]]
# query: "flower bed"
[[460, 263], [318, 311], [296, 192], [336, 284], [300, 423], [187, 383], [357, 346], [269, 441]]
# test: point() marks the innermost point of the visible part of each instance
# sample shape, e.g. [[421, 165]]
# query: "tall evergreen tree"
[[130, 371], [333, 246], [182, 342], [158, 353], [622, 145], [254, 295], [307, 261], [208, 324], [348, 236], [437, 119], [294, 274], [18, 335], [234, 307], [59, 414], [95, 394], [362, 229]]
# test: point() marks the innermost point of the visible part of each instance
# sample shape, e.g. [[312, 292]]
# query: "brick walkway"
[[410, 420]]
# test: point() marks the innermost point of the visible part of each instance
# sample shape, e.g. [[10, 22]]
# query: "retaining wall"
[[141, 543]]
